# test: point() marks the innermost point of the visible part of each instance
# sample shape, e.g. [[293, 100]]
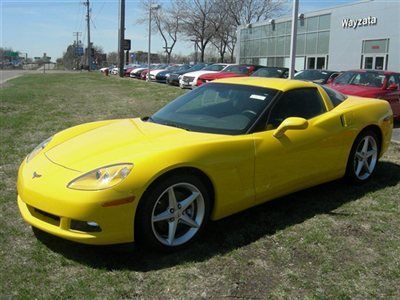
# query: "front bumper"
[[47, 204], [187, 84]]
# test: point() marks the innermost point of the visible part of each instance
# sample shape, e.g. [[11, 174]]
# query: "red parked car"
[[371, 84], [231, 71]]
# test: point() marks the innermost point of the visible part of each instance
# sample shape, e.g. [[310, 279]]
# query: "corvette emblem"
[[36, 175]]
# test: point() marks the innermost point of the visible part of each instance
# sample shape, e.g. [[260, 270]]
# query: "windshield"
[[270, 72], [214, 68], [216, 108], [312, 75], [372, 79], [196, 68], [237, 69]]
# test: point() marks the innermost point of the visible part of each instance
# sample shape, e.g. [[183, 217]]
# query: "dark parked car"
[[274, 72], [163, 75], [173, 78], [317, 76]]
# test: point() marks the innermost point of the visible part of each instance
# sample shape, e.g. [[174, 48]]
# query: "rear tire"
[[172, 213], [363, 157]]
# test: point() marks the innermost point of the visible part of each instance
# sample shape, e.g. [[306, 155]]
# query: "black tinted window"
[[336, 97], [303, 103]]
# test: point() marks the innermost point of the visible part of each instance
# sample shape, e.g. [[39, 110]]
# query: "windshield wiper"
[[175, 125]]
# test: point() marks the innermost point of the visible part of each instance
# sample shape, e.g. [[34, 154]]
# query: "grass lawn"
[[331, 241]]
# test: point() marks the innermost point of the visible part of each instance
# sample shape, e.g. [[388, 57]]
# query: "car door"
[[300, 158]]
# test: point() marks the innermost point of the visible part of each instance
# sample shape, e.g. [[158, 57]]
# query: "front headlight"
[[180, 76], [167, 75], [101, 178], [37, 149]]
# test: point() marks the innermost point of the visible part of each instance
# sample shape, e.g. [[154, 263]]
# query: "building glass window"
[[324, 22], [323, 42], [271, 41], [375, 46], [368, 63], [312, 24], [280, 45], [300, 44], [311, 43], [263, 47], [287, 45], [289, 27], [280, 28], [301, 25], [271, 46]]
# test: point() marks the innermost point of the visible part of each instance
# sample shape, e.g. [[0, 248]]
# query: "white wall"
[[345, 44]]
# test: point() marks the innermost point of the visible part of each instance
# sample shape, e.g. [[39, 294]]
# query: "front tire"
[[363, 157], [172, 213]]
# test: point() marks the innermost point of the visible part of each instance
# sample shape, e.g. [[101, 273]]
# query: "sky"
[[47, 26]]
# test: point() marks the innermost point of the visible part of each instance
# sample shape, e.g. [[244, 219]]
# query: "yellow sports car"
[[217, 150]]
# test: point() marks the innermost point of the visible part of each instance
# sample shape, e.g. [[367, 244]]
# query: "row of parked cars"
[[363, 83]]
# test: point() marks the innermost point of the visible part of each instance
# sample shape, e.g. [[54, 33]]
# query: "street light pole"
[[293, 38]]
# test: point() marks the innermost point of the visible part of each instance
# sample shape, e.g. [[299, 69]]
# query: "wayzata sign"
[[354, 23]]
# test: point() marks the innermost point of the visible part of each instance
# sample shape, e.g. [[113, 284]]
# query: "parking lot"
[[331, 241]]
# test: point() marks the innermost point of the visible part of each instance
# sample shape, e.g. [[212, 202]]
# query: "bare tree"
[[249, 11], [201, 20], [241, 12], [167, 21], [231, 44]]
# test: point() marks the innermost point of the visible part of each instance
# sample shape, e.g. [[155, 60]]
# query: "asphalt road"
[[9, 74]]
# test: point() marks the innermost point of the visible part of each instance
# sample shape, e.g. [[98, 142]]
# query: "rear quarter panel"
[[359, 113]]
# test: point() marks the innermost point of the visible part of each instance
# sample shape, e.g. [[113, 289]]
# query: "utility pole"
[[151, 7], [293, 38], [89, 46], [77, 35], [121, 38]]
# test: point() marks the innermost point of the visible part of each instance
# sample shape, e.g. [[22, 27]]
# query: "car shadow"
[[230, 233]]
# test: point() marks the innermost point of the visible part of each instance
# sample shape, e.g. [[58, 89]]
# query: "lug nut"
[[179, 206], [171, 210], [172, 219]]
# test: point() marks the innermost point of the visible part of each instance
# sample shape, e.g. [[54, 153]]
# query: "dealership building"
[[360, 35]]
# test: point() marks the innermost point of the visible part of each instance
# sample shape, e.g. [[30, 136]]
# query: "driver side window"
[[303, 103]]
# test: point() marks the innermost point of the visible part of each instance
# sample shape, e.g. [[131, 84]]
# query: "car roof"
[[382, 72], [321, 70], [280, 84]]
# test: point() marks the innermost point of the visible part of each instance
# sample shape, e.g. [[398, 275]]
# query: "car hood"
[[199, 73], [138, 70], [155, 72], [181, 72], [210, 76], [356, 90], [93, 145]]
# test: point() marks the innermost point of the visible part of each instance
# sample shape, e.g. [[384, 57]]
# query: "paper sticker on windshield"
[[258, 97]]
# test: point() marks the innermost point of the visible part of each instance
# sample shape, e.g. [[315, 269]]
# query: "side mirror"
[[292, 123], [393, 87]]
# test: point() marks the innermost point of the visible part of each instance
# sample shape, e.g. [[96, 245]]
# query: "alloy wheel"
[[178, 214], [365, 157]]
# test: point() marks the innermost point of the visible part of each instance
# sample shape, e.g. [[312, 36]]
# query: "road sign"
[[79, 51], [127, 45], [11, 54]]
